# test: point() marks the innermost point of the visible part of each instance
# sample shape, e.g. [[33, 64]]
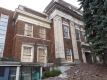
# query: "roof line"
[[6, 9], [34, 10]]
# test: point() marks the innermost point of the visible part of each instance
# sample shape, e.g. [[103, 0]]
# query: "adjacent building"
[[54, 36]]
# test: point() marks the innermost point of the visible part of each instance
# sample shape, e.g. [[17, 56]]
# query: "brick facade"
[[16, 26], [9, 33], [20, 38], [68, 42]]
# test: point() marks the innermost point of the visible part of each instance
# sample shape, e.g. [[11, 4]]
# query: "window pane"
[[1, 49], [28, 30], [28, 27], [28, 33], [65, 29], [2, 27], [3, 23], [83, 36], [4, 15], [77, 34], [42, 33], [27, 50], [26, 73], [65, 34], [36, 73], [41, 55], [26, 54], [68, 54], [77, 37], [2, 70], [4, 20], [2, 40], [67, 51], [2, 32], [12, 73], [83, 33], [2, 35]]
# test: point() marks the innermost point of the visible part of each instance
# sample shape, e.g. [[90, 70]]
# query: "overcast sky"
[[37, 5]]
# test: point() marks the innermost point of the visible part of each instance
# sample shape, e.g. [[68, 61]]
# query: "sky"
[[38, 5]]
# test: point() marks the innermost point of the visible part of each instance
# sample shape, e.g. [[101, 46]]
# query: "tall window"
[[66, 32], [68, 54], [42, 33], [3, 27], [83, 36], [42, 54], [27, 53], [28, 30], [77, 34]]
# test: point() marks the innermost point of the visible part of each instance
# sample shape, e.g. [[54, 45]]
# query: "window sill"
[[83, 43], [69, 61], [34, 37], [28, 36], [78, 40], [66, 37]]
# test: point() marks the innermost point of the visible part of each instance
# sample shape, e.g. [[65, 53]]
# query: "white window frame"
[[43, 47], [70, 53], [5, 34], [44, 33], [68, 31], [32, 51], [25, 30]]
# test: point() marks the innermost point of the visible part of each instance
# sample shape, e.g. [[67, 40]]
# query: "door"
[[88, 57]]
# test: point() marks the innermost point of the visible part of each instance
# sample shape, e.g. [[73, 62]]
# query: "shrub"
[[45, 74], [54, 73]]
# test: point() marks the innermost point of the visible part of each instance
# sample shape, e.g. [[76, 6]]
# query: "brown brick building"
[[54, 36]]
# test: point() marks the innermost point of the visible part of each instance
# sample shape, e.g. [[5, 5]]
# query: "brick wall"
[[9, 34], [18, 40]]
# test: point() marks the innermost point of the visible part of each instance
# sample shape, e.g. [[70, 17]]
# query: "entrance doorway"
[[88, 57]]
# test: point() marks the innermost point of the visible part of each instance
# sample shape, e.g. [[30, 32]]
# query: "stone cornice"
[[18, 11]]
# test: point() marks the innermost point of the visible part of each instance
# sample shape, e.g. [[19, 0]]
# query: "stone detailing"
[[58, 36], [62, 14], [74, 42]]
